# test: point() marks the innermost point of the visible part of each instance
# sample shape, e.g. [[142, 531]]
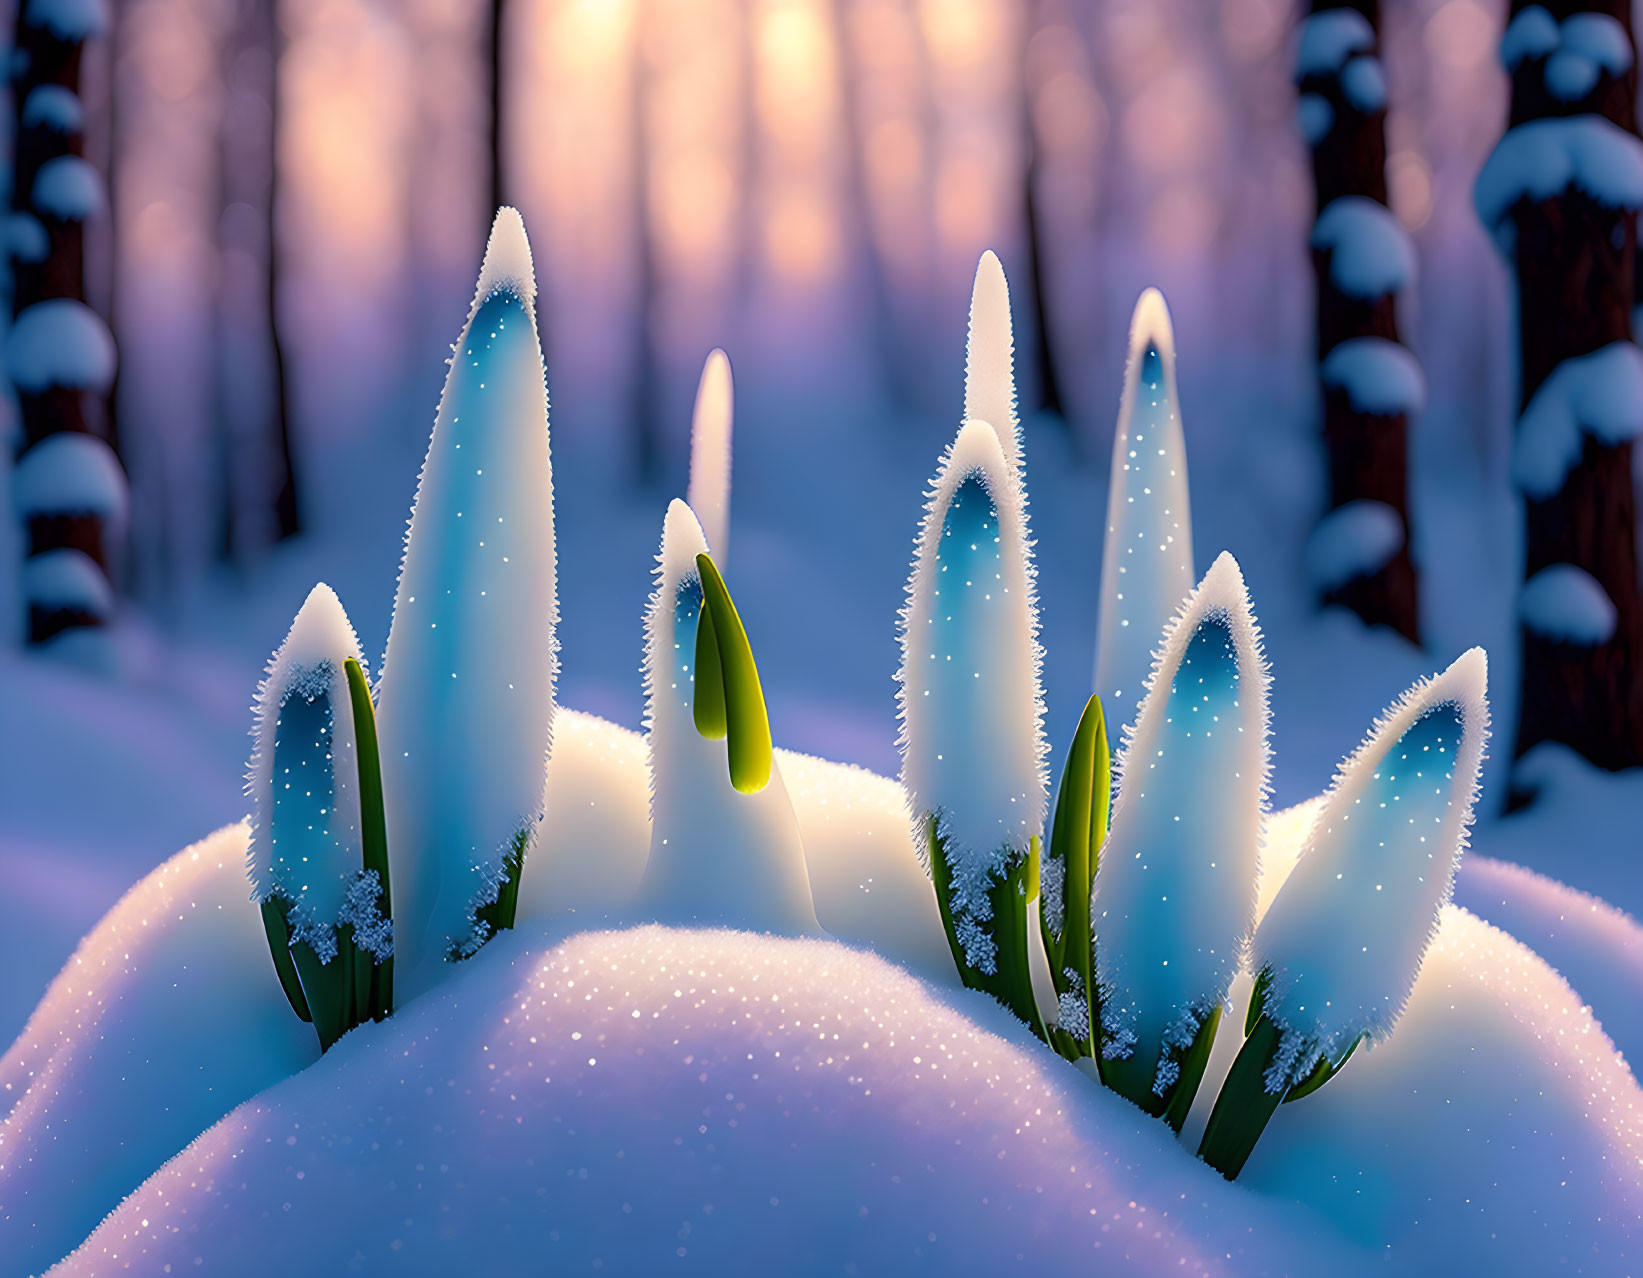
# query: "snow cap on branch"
[[1353, 540], [1600, 394], [717, 856], [1344, 938], [1370, 252], [1146, 563], [71, 473], [67, 188], [466, 693], [60, 342], [55, 107], [711, 424], [1379, 377], [303, 779], [72, 21], [1329, 38], [1541, 159], [1565, 603], [989, 366], [972, 710], [1174, 897], [67, 580]]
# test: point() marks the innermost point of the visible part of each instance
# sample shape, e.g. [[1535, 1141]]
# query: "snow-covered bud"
[[972, 712], [710, 433], [1146, 563], [719, 854], [989, 365], [466, 692], [317, 860], [1176, 888]]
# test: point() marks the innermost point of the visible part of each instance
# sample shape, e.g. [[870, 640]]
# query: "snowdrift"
[[721, 1101]]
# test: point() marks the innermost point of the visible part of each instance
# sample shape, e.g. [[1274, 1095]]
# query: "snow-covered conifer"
[[317, 859], [1146, 564], [1338, 951], [989, 365], [1175, 892], [718, 855], [972, 712], [710, 433], [466, 691]]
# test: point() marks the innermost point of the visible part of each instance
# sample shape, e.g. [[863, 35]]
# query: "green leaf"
[[708, 702], [1322, 1072], [1010, 982], [279, 946], [1077, 832], [1193, 1063], [373, 828], [1244, 1107], [502, 913], [747, 723]]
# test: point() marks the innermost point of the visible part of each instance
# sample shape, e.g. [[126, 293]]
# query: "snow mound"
[[1600, 394], [1370, 253], [67, 188], [1566, 603], [168, 1015], [54, 107], [67, 580], [1597, 948], [71, 473], [60, 342], [1379, 377], [1352, 541], [705, 1101], [1543, 158]]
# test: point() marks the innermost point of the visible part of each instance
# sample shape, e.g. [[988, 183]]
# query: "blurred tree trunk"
[[1343, 108], [61, 352], [495, 58], [1049, 378], [258, 470], [647, 387], [1575, 259]]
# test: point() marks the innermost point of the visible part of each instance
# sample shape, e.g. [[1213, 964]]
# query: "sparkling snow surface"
[[1174, 897], [717, 856], [1146, 560], [623, 1096], [466, 693]]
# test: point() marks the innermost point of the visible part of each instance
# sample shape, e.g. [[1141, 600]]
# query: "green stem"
[[1010, 981], [1244, 1107], [328, 987], [279, 946], [373, 828]]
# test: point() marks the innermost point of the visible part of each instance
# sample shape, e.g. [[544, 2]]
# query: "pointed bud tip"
[[507, 262], [977, 447], [1150, 325], [682, 541]]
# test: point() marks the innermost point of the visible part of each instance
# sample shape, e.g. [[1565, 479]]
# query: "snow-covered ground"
[[724, 1102]]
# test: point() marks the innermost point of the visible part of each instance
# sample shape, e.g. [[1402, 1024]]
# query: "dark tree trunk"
[[1575, 261], [53, 270], [1368, 453], [258, 467]]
